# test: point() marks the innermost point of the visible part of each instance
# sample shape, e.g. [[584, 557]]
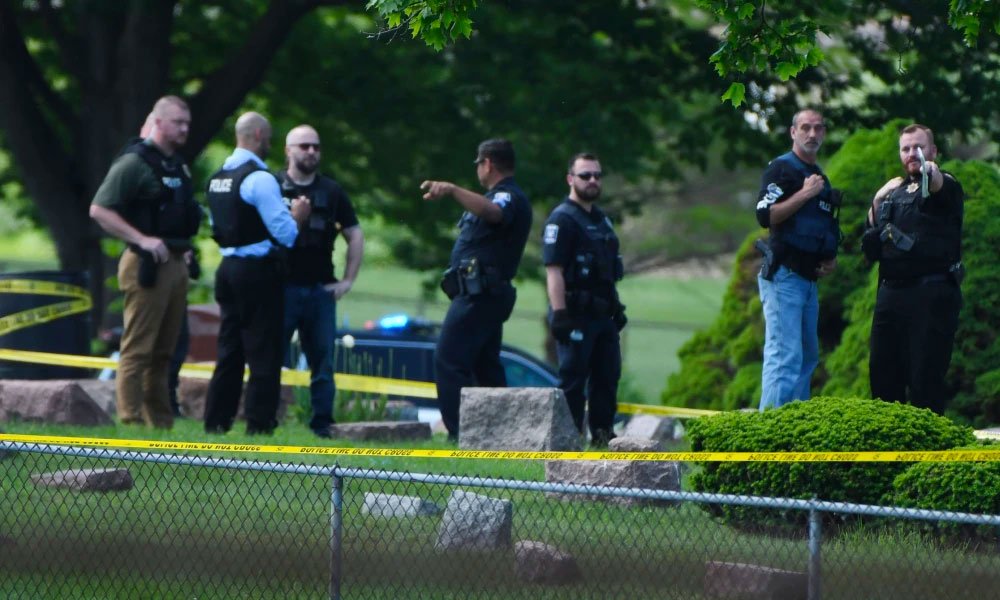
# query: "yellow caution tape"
[[934, 456], [670, 411], [42, 314], [344, 381]]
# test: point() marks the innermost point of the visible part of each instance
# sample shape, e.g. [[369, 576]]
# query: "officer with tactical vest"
[[312, 290], [484, 260], [254, 229], [801, 210], [914, 231], [582, 266], [147, 200]]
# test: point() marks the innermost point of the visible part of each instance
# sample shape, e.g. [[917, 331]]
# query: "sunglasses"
[[588, 175], [306, 147]]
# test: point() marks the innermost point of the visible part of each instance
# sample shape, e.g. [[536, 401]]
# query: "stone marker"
[[390, 505], [475, 522], [87, 480], [651, 427], [616, 473], [753, 582], [516, 419], [538, 562], [385, 431], [102, 392], [62, 402]]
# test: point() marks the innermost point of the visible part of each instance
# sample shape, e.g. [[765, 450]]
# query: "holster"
[[769, 264], [147, 267]]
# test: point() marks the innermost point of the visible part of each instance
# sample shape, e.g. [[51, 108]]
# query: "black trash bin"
[[44, 311]]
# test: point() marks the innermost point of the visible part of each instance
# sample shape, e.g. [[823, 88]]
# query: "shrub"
[[971, 487], [735, 340], [822, 424]]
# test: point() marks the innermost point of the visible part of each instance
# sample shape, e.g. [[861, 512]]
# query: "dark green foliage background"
[[823, 424], [719, 364]]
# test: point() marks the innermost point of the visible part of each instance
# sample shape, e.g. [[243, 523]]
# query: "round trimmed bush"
[[822, 424], [971, 487]]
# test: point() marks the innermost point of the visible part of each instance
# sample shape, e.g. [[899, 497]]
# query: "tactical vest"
[[929, 244], [324, 196], [173, 215], [234, 222], [310, 260], [596, 263], [814, 227]]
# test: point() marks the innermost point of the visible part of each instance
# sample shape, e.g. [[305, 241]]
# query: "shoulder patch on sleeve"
[[501, 199], [551, 233], [771, 196]]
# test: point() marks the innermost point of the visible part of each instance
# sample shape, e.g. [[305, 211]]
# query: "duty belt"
[[915, 281]]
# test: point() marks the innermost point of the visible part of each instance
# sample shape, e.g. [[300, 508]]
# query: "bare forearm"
[[555, 285], [782, 211], [111, 222], [355, 251], [477, 204]]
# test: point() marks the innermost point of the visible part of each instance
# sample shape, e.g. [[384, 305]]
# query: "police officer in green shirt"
[[147, 200]]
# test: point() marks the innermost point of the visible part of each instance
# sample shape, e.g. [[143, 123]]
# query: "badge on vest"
[[551, 233], [912, 187]]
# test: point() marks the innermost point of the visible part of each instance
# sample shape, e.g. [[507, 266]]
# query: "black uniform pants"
[[590, 368], [913, 330], [468, 350], [250, 293]]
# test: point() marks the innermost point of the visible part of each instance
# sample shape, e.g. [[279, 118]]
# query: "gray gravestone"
[[516, 419]]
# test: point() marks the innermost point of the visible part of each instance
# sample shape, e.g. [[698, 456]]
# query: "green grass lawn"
[[663, 311], [198, 532]]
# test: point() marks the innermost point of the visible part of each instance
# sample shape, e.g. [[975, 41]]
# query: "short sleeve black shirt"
[[497, 245]]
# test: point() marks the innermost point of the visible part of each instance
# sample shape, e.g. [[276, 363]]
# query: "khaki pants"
[[152, 324]]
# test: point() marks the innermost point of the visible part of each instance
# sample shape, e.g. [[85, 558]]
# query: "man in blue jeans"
[[312, 290], [798, 206]]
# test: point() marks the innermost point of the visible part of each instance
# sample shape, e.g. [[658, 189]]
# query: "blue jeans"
[[313, 311], [791, 343]]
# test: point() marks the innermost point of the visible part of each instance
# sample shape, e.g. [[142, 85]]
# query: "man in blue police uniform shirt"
[[800, 208], [484, 260], [250, 222], [582, 266]]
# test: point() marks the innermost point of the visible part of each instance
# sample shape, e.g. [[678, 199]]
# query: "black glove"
[[871, 245], [562, 325], [619, 318]]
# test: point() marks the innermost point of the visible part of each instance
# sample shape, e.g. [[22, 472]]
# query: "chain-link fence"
[[98, 523]]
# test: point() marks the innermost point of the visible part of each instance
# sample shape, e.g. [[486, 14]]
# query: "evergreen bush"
[[823, 424], [970, 487], [717, 363]]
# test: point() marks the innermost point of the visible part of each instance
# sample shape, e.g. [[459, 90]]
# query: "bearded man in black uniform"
[[915, 233], [582, 265]]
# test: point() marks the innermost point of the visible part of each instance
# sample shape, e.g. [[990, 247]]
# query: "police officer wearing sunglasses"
[[582, 266], [484, 260], [312, 290]]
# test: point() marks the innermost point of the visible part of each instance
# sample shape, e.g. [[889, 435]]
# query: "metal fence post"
[[815, 538], [336, 533]]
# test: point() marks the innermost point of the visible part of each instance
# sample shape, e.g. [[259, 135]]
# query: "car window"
[[520, 374]]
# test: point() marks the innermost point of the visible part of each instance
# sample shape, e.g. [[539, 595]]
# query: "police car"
[[402, 347]]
